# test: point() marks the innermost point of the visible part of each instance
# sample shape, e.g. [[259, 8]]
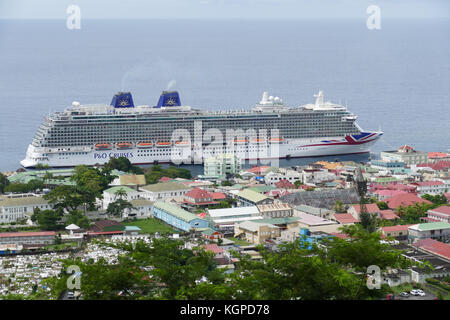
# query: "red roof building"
[[438, 166], [258, 170], [340, 235], [213, 248], [438, 156], [355, 210], [388, 215], [284, 184], [345, 218], [28, 238], [447, 195], [435, 247], [441, 213], [165, 179], [400, 231], [404, 200], [199, 197], [218, 196]]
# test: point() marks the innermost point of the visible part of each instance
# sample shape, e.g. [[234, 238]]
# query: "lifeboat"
[[145, 145], [163, 144], [258, 140], [276, 140], [240, 140], [124, 145], [182, 143], [103, 146]]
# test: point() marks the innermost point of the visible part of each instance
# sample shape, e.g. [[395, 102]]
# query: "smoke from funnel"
[[171, 85]]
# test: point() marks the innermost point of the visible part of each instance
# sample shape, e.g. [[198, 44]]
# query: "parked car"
[[421, 293], [70, 295], [404, 294]]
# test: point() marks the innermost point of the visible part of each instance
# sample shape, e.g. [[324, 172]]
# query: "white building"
[[431, 187], [292, 176], [221, 165], [164, 190], [142, 209], [405, 154], [226, 218], [110, 195], [275, 210], [20, 206]]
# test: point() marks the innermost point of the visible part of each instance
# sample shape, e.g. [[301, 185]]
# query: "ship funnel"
[[169, 99], [122, 100]]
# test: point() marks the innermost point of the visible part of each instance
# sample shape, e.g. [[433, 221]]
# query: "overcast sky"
[[213, 9]]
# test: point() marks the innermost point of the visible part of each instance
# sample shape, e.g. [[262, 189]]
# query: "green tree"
[[118, 206], [3, 182], [78, 218], [339, 207], [368, 220], [382, 205], [47, 219], [65, 197], [438, 199], [297, 184], [123, 164]]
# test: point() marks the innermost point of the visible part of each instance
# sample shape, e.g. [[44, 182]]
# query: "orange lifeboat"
[[276, 140], [163, 144], [144, 145], [258, 140], [182, 143], [103, 146], [240, 140], [124, 145]]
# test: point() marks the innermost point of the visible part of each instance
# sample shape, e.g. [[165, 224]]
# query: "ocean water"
[[396, 79]]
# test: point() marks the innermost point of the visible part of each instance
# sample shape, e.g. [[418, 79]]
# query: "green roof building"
[[249, 197], [177, 217], [435, 230]]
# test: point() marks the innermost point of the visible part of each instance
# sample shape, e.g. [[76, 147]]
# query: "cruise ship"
[[174, 133]]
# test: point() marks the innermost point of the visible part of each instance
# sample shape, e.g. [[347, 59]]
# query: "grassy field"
[[151, 225], [61, 246], [239, 242]]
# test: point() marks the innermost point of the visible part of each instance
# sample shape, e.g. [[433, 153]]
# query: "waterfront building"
[[405, 154], [220, 166]]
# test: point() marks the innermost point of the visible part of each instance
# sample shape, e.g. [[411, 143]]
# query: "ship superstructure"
[[171, 132]]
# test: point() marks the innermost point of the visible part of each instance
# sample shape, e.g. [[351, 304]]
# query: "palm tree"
[[120, 194]]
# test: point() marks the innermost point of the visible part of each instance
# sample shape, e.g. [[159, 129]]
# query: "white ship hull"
[[69, 157]]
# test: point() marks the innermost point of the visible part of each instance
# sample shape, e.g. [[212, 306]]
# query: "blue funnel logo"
[[169, 99], [122, 100]]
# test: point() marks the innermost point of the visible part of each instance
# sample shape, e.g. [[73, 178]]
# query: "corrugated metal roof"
[[165, 186], [176, 211], [21, 201], [252, 195]]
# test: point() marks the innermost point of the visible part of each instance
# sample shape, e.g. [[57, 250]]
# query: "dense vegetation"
[[167, 270], [156, 172]]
